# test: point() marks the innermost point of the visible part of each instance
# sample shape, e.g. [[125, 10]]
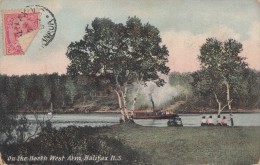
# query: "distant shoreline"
[[118, 112]]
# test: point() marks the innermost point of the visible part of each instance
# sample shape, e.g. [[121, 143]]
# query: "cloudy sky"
[[184, 26]]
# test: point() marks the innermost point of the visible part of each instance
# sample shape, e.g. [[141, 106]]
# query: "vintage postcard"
[[130, 82]]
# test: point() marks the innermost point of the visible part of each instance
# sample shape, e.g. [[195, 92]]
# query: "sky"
[[184, 26]]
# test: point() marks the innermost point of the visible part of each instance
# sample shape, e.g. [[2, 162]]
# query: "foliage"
[[7, 125], [117, 55], [36, 92], [31, 96], [222, 66], [245, 95], [13, 128], [77, 141]]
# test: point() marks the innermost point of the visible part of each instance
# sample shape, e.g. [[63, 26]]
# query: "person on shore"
[[219, 121], [224, 121], [210, 121], [203, 121]]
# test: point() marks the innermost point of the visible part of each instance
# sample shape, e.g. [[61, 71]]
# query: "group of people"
[[209, 121]]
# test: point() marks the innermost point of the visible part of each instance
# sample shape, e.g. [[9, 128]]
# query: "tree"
[[222, 64], [21, 96], [11, 93], [247, 94], [57, 94], [117, 55], [70, 89]]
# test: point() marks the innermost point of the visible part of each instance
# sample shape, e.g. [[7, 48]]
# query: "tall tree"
[[222, 63], [70, 89], [57, 97], [118, 55]]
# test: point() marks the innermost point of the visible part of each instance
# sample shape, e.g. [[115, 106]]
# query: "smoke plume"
[[152, 96]]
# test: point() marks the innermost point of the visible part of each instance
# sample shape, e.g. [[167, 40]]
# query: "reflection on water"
[[98, 119], [93, 120]]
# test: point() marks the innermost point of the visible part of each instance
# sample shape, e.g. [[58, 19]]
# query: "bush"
[[77, 142]]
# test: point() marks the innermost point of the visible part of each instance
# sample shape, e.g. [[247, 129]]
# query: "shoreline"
[[76, 110], [118, 112]]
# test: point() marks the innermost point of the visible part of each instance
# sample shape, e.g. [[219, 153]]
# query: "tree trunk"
[[120, 106], [123, 100], [220, 109], [219, 103], [121, 94], [228, 97], [122, 103], [229, 103]]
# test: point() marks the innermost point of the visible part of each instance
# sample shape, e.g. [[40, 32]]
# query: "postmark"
[[21, 26], [48, 23]]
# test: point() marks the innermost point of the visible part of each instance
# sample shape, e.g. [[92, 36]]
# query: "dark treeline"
[[35, 91], [41, 92], [46, 91]]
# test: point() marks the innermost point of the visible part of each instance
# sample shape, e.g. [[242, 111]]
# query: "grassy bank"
[[139, 145], [197, 145]]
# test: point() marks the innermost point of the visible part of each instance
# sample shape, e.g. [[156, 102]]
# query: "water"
[[64, 120], [249, 119], [107, 119]]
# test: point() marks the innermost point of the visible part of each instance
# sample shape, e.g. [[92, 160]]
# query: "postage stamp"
[[21, 26], [19, 29]]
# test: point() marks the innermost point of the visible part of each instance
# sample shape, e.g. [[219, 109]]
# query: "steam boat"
[[174, 119]]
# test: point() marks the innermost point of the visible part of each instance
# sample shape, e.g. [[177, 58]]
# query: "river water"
[[107, 119]]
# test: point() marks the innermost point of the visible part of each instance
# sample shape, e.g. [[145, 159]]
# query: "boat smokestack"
[[151, 99]]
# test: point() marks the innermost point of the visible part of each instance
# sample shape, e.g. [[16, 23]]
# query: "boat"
[[175, 122], [148, 114]]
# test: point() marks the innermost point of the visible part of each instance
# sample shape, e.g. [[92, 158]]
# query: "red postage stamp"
[[19, 29]]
